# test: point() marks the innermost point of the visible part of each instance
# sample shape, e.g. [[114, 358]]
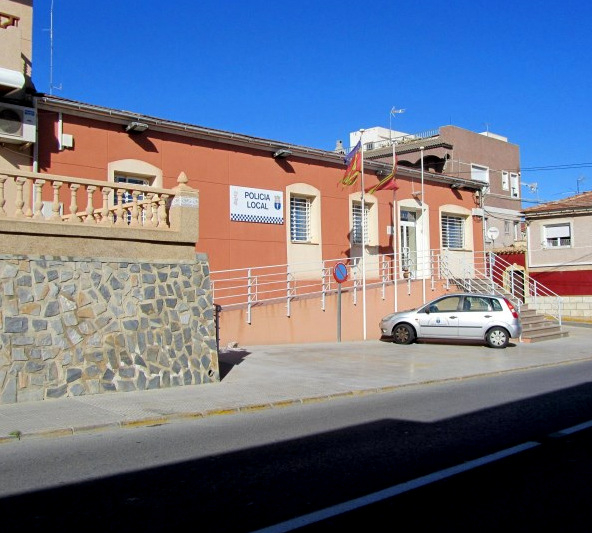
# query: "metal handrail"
[[482, 272]]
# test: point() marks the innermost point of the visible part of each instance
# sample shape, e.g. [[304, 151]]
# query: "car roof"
[[486, 295]]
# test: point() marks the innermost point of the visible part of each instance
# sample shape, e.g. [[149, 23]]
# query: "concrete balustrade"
[[104, 201], [111, 297]]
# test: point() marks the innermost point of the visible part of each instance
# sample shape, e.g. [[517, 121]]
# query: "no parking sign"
[[340, 275], [340, 272]]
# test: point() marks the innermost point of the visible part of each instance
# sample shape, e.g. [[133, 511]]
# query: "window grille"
[[126, 197], [300, 219], [358, 221], [558, 235], [452, 232]]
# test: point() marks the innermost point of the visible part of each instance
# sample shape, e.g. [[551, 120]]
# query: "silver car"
[[479, 317]]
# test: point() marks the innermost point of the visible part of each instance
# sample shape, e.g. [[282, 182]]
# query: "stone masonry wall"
[[573, 307], [72, 326]]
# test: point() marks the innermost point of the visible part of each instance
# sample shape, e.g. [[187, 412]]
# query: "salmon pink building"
[[264, 204]]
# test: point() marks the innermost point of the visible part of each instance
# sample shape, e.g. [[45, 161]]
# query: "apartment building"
[[487, 159]]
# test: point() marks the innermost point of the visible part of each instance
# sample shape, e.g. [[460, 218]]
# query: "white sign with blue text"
[[256, 205]]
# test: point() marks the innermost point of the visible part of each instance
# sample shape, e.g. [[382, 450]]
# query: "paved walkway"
[[271, 376]]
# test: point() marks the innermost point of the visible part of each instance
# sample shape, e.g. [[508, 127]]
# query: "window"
[[505, 180], [479, 173], [359, 235], [452, 232], [506, 227], [557, 235], [445, 305], [126, 197], [514, 185], [300, 219]]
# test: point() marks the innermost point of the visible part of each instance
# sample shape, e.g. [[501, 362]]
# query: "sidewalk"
[[262, 377]]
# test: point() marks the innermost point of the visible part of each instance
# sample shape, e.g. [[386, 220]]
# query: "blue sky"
[[310, 72]]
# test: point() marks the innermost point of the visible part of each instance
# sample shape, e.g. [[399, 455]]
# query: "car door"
[[439, 319], [475, 316]]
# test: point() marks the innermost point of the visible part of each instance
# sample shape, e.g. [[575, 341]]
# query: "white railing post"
[[250, 297], [289, 292], [325, 284]]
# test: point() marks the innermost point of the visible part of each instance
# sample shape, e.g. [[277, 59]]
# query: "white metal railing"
[[472, 272], [22, 196], [399, 140], [247, 287], [489, 272]]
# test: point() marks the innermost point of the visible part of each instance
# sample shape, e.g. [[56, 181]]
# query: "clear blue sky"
[[310, 72]]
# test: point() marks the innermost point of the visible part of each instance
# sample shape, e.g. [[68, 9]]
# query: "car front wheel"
[[497, 338], [403, 334]]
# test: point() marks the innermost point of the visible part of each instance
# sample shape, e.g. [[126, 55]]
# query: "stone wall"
[[578, 308], [110, 298], [72, 326]]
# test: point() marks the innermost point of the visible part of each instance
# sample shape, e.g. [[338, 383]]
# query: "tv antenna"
[[51, 85], [532, 187], [580, 179]]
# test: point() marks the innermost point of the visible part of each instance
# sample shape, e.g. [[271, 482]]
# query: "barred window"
[[453, 232], [127, 197], [558, 235], [300, 219], [359, 221]]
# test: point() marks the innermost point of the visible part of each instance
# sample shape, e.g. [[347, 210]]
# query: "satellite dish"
[[492, 233]]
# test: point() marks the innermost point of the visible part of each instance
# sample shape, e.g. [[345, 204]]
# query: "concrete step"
[[543, 336]]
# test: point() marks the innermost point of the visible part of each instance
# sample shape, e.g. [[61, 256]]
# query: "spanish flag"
[[353, 160]]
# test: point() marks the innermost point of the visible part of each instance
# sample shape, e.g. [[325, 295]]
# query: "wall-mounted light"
[[136, 127], [282, 153]]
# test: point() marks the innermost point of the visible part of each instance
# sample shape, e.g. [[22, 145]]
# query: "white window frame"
[[505, 180], [507, 227], [300, 218], [557, 235], [480, 173], [514, 185], [453, 231], [360, 235]]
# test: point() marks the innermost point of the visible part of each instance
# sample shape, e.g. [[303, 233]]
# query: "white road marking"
[[357, 503]]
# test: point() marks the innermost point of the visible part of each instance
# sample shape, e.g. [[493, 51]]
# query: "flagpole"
[[423, 232], [394, 111], [395, 232], [363, 236]]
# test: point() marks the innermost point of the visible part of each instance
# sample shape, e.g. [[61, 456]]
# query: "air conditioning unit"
[[17, 124]]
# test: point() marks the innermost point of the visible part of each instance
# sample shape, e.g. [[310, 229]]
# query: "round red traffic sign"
[[340, 272]]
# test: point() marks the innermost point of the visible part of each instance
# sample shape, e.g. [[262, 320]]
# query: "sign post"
[[340, 275]]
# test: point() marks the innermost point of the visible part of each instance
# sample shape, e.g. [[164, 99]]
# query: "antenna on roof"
[[51, 85]]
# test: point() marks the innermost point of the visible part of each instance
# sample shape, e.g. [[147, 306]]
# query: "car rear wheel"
[[497, 338], [403, 334]]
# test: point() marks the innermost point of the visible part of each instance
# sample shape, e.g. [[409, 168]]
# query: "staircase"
[[536, 326]]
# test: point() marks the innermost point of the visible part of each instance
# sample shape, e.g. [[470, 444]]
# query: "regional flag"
[[388, 183], [353, 160]]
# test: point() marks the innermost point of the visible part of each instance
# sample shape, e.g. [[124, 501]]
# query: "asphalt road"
[[255, 470]]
